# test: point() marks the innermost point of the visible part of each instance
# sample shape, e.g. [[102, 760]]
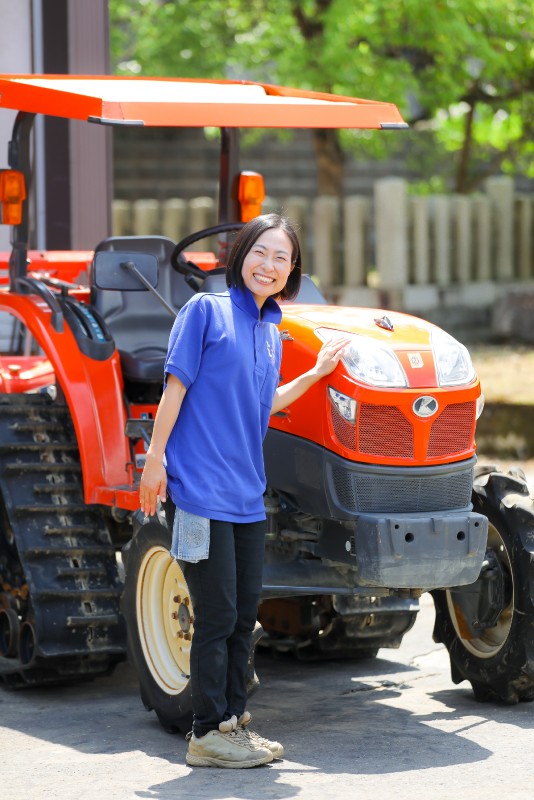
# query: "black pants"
[[225, 591]]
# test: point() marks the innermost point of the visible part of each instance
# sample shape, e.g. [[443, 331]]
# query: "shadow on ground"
[[336, 719]]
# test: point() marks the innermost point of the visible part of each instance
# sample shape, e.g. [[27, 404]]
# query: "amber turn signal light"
[[251, 195], [12, 196]]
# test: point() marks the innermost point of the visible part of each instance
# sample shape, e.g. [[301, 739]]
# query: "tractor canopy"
[[190, 103]]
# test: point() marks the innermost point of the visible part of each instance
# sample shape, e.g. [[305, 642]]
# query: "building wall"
[[90, 145], [15, 56], [72, 187]]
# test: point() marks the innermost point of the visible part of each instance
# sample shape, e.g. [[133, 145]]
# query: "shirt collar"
[[244, 300]]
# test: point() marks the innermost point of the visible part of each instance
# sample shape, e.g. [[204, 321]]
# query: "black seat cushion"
[[145, 365]]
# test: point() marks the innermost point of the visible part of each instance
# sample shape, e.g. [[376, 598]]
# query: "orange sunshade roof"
[[190, 103]]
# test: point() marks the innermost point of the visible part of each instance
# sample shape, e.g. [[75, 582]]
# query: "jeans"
[[225, 591]]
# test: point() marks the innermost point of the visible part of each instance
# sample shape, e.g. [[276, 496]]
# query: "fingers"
[[331, 354], [149, 496], [147, 500], [335, 345], [162, 493]]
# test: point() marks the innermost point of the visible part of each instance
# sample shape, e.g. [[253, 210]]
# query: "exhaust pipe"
[[9, 632]]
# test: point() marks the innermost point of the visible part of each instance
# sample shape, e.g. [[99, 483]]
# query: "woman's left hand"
[[330, 355]]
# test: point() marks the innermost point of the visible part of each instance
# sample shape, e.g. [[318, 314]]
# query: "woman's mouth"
[[264, 279]]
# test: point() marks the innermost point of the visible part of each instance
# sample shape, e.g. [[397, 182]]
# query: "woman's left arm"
[[329, 357]]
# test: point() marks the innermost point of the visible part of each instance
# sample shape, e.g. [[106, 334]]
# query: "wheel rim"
[[164, 620], [493, 639]]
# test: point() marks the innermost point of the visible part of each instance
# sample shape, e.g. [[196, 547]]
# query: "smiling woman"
[[222, 372]]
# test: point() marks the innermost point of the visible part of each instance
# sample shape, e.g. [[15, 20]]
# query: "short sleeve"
[[186, 342]]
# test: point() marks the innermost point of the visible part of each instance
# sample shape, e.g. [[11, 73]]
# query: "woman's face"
[[267, 265]]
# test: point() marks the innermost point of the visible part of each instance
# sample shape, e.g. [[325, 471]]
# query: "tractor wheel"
[[488, 627], [159, 614], [159, 618]]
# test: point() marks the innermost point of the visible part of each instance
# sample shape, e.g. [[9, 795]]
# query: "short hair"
[[246, 238]]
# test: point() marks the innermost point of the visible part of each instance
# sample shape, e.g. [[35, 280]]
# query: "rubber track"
[[60, 547]]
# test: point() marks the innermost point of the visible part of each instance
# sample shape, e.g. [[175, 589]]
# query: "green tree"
[[460, 70]]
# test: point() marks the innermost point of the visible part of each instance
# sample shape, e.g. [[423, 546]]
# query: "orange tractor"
[[373, 492]]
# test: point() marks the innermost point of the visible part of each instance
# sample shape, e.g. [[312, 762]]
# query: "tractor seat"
[[137, 321]]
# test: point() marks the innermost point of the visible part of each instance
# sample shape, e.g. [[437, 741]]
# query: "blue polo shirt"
[[228, 358]]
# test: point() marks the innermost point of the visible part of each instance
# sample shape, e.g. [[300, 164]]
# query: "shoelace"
[[244, 720], [255, 737], [240, 736]]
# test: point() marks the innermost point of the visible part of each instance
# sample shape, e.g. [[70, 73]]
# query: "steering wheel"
[[181, 264]]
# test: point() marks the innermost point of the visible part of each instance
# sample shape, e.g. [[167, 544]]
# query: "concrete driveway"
[[394, 727]]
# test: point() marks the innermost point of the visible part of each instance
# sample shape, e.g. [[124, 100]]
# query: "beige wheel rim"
[[164, 620], [493, 639]]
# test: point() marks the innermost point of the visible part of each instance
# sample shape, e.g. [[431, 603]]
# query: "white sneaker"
[[233, 750], [275, 747]]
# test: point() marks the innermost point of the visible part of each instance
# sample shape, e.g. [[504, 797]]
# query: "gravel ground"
[[506, 372]]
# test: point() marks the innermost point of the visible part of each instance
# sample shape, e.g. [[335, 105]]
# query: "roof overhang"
[[190, 103]]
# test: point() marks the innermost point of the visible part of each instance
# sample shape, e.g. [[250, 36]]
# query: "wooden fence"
[[395, 249]]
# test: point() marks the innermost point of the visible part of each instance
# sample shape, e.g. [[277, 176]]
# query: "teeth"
[[263, 279]]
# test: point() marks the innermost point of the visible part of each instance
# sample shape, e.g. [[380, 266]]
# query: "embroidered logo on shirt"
[[270, 350]]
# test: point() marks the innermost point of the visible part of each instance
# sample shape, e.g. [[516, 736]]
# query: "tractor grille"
[[403, 493], [384, 431], [344, 430], [452, 431]]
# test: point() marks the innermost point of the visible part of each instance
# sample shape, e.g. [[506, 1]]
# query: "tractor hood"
[[387, 349], [407, 331]]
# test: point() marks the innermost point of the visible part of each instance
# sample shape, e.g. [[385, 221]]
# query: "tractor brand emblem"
[[416, 360], [384, 322], [425, 406]]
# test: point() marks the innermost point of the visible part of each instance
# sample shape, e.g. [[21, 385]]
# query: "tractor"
[[373, 495]]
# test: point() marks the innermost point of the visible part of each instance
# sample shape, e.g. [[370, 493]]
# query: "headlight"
[[453, 362], [367, 360], [374, 364]]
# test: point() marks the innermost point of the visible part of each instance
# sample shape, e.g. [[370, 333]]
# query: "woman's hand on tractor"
[[330, 355], [153, 485]]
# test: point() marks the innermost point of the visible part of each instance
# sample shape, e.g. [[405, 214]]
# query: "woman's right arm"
[[154, 477]]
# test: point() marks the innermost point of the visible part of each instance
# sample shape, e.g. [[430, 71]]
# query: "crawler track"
[[59, 584]]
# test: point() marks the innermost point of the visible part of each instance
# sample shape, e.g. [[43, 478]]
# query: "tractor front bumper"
[[408, 550]]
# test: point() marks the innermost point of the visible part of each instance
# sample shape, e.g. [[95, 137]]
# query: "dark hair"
[[245, 239]]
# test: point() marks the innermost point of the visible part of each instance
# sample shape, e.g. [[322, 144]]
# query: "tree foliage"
[[460, 70]]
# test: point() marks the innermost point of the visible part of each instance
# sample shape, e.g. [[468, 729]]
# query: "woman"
[[221, 385]]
